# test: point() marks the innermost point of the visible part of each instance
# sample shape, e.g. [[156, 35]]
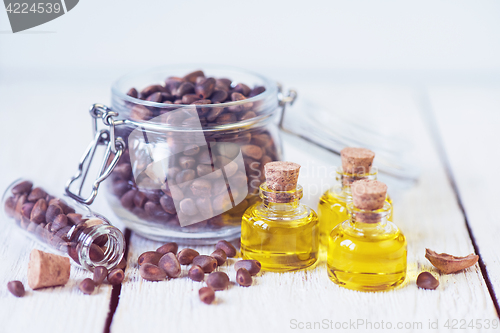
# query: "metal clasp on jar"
[[283, 101], [104, 137]]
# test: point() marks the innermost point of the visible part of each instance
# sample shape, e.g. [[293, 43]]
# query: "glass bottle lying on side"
[[367, 252], [280, 232], [332, 208], [86, 237]]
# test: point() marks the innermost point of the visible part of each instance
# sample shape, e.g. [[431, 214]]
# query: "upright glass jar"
[[189, 171]]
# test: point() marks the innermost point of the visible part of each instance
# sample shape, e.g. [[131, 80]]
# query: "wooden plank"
[[468, 119], [59, 309], [427, 213], [42, 139]]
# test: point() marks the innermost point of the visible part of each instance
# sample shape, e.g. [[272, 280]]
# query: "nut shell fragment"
[[447, 263]]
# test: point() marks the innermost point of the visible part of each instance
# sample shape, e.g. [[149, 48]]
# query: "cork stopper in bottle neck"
[[281, 181], [356, 160], [368, 195]]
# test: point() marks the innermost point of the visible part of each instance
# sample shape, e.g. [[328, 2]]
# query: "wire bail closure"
[[285, 100], [104, 137]]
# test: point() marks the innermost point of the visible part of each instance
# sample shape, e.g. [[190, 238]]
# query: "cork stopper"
[[368, 194], [47, 270], [281, 176], [356, 160]]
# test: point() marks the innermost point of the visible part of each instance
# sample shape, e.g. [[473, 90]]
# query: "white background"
[[291, 35], [51, 74]]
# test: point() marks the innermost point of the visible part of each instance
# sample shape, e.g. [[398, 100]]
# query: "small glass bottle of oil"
[[280, 232], [367, 252], [332, 208]]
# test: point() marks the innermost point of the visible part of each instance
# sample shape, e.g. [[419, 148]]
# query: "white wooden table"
[[454, 131]]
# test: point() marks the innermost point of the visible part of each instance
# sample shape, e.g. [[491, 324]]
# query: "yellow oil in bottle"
[[367, 256], [332, 210], [281, 236]]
